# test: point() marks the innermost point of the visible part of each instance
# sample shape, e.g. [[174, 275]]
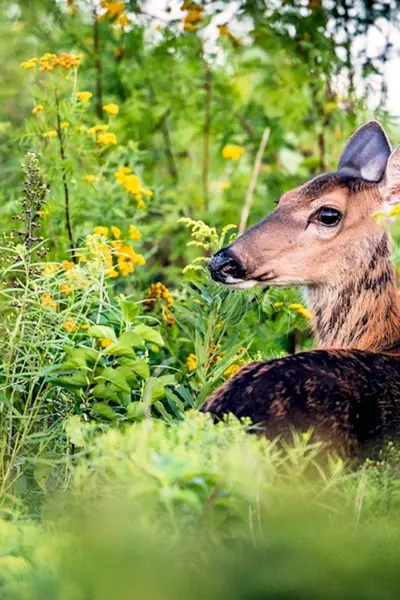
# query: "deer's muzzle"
[[226, 267]]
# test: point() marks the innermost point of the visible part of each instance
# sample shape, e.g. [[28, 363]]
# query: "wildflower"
[[189, 26], [64, 125], [105, 342], [47, 302], [116, 232], [277, 304], [223, 30], [73, 11], [97, 128], [114, 9], [232, 370], [101, 231], [67, 265], [112, 273], [48, 269], [300, 309], [125, 266], [29, 64], [49, 61], [223, 185], [37, 109], [66, 289], [90, 178], [191, 362], [157, 291], [122, 20], [111, 109], [107, 139], [232, 152], [50, 134], [157, 27], [84, 96], [70, 326], [134, 233]]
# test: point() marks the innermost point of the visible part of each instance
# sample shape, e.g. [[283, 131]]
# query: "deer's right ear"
[[391, 185], [366, 153]]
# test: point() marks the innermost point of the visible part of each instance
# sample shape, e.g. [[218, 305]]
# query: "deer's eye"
[[328, 216]]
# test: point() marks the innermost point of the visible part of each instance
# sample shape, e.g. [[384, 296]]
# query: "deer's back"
[[350, 396]]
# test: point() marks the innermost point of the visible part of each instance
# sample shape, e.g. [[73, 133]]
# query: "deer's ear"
[[391, 185], [366, 153]]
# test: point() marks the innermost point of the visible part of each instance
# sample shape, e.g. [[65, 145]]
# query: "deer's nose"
[[225, 265]]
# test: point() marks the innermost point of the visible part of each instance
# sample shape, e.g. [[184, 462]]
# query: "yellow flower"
[[232, 152], [158, 27], [300, 309], [97, 128], [50, 134], [37, 109], [278, 304], [112, 273], [49, 61], [101, 231], [107, 139], [191, 362], [223, 30], [48, 302], [90, 178], [67, 265], [48, 269], [189, 26], [70, 326], [111, 109], [122, 20], [223, 185], [73, 11], [114, 9], [66, 289], [64, 125], [232, 370], [29, 64], [84, 96], [134, 233], [116, 232], [105, 342]]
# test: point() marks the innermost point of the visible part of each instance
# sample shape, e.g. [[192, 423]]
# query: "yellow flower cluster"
[[70, 326], [29, 64], [105, 342], [191, 362], [115, 11], [50, 134], [91, 178], [48, 62], [132, 184], [301, 310], [111, 109], [84, 96], [236, 364], [158, 292], [125, 255], [107, 139], [96, 128], [37, 109], [193, 15], [232, 152], [47, 301]]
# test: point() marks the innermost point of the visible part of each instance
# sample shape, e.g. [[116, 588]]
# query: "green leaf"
[[135, 410], [102, 332], [102, 409], [129, 310], [105, 392], [74, 429], [131, 338], [141, 368], [155, 387], [79, 357], [149, 334], [114, 376], [78, 380]]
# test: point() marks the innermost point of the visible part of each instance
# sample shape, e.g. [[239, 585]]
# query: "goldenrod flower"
[[66, 289], [97, 128], [90, 178], [232, 370], [48, 269], [84, 96], [223, 185], [49, 61], [70, 326], [50, 134], [101, 231], [111, 109], [67, 265], [37, 109], [157, 27], [122, 20], [134, 233], [189, 26], [64, 125], [29, 64], [47, 302], [112, 273], [277, 304], [105, 342], [116, 232], [114, 9], [191, 362], [232, 152], [107, 139], [300, 309]]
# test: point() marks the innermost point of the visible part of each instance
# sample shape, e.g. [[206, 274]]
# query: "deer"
[[322, 236]]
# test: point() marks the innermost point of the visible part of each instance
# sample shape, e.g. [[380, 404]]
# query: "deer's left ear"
[[391, 183], [366, 153]]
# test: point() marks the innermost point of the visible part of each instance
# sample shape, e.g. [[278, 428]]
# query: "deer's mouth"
[[248, 282]]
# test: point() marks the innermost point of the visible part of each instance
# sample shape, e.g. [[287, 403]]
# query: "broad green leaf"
[[135, 410], [131, 338], [129, 310], [104, 410], [149, 334], [102, 332], [114, 376], [105, 392], [74, 429]]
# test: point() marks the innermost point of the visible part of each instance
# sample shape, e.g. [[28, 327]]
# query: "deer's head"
[[322, 230]]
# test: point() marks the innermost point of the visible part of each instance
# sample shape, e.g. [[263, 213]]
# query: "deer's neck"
[[363, 312]]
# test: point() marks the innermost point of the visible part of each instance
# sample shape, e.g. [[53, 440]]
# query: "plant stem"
[[250, 192], [97, 63], [64, 177], [207, 125]]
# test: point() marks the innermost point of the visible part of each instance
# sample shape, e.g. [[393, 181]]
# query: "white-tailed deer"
[[322, 236]]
